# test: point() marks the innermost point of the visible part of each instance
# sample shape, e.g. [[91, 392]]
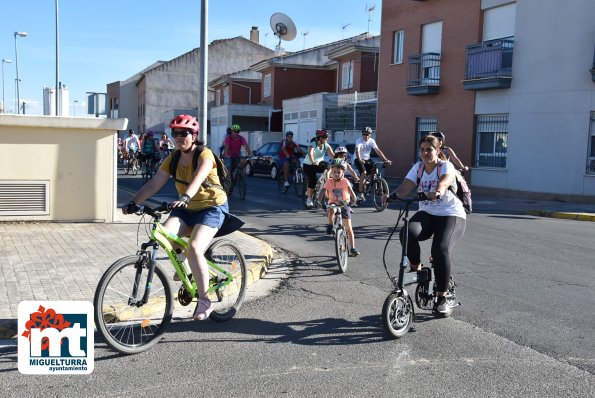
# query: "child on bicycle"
[[340, 192], [341, 153]]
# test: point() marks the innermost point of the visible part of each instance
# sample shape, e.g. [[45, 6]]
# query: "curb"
[[563, 215]]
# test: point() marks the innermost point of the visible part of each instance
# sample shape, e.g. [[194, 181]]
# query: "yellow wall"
[[76, 155]]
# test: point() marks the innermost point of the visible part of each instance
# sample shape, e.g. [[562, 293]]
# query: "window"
[[226, 95], [217, 97], [347, 75], [591, 164], [398, 47], [425, 125], [267, 85], [492, 141]]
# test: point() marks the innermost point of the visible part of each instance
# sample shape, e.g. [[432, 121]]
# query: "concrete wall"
[[549, 102], [76, 156]]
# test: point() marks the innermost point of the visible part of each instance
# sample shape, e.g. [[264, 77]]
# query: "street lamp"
[[4, 61], [16, 59], [74, 108]]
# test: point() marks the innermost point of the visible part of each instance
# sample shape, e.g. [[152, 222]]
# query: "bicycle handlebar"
[[153, 212], [419, 197]]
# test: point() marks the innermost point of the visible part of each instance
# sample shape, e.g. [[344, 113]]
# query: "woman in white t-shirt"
[[442, 215]]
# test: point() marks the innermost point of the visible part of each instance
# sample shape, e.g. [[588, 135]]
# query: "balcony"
[[489, 65], [424, 74]]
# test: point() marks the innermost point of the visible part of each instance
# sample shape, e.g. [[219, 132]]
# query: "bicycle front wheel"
[[127, 325], [242, 184], [380, 189], [397, 314], [298, 182], [228, 298], [341, 249]]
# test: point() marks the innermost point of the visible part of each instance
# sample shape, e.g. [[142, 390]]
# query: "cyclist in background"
[[149, 149], [233, 149], [287, 154], [314, 162], [166, 141], [201, 209], [132, 145], [442, 215], [340, 193], [451, 156], [341, 153], [363, 147]]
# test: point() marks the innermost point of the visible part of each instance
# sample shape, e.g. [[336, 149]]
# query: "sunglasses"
[[180, 133]]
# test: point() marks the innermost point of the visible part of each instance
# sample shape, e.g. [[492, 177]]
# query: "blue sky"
[[110, 40]]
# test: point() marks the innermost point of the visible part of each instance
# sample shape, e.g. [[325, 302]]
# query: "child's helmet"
[[339, 163], [340, 149]]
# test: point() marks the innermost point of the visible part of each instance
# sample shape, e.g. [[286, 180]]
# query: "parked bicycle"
[[376, 186], [238, 180], [296, 178], [397, 312], [134, 300]]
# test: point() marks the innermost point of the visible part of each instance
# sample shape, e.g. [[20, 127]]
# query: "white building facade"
[[539, 134]]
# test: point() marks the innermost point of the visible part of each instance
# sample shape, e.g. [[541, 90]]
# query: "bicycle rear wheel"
[[397, 314], [125, 324], [241, 176], [228, 299], [380, 189], [341, 248], [298, 182]]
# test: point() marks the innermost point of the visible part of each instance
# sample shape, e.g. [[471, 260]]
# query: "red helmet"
[[185, 122], [321, 134]]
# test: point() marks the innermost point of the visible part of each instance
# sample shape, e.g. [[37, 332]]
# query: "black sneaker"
[[442, 307], [354, 252], [329, 229]]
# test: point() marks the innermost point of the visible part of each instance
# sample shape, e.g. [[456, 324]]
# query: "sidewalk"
[[64, 261]]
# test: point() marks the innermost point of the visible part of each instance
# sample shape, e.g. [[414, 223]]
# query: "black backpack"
[[222, 172], [462, 189]]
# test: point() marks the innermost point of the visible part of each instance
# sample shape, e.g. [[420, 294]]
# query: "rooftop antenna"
[[343, 29], [369, 10], [265, 39], [284, 28], [306, 33]]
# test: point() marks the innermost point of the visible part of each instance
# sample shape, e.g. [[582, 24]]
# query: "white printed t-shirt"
[[447, 205]]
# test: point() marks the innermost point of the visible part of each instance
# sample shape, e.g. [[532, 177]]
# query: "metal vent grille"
[[19, 198]]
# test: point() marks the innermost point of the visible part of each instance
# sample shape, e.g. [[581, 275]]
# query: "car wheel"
[[274, 171], [249, 170]]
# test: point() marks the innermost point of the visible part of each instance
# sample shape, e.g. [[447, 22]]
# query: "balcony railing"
[[424, 74], [489, 65]]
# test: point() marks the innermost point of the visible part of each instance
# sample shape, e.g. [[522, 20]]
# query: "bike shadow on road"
[[313, 332]]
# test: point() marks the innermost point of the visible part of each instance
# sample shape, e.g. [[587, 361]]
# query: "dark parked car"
[[265, 160]]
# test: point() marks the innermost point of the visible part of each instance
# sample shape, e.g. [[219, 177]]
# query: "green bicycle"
[[134, 300]]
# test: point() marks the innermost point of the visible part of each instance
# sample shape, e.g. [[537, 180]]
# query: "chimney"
[[254, 35]]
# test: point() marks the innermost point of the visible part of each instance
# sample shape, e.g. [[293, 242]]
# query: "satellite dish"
[[283, 27]]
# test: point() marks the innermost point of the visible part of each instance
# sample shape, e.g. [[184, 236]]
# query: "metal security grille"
[[492, 141], [425, 125], [350, 111], [24, 198], [591, 158]]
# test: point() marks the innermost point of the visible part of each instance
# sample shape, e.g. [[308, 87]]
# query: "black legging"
[[311, 170], [447, 231]]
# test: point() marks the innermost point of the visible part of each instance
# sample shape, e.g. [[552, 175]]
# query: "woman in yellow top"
[[202, 207]]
